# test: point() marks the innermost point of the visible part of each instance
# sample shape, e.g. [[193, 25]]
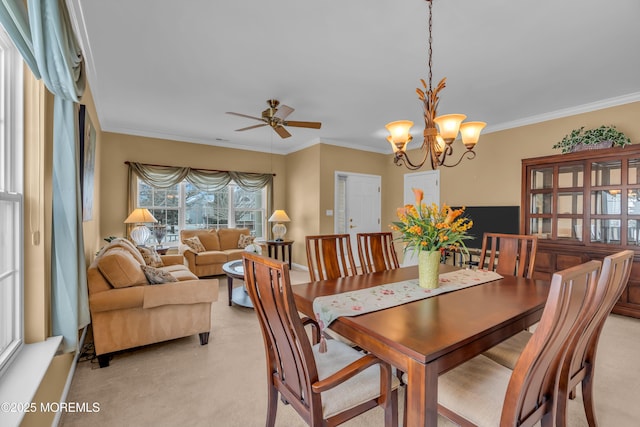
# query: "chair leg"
[[391, 410], [204, 338], [272, 405], [587, 400]]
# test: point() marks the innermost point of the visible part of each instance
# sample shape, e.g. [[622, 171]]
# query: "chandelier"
[[437, 143]]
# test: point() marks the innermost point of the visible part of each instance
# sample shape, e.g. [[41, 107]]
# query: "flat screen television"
[[491, 219]]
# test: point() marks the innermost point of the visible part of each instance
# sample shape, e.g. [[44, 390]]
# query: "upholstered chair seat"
[[359, 389], [475, 390], [507, 352]]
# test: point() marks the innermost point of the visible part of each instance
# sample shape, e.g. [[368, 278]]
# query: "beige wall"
[[493, 177], [118, 148], [303, 198], [304, 182]]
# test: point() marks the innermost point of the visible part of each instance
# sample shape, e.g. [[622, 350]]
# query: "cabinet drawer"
[[566, 261], [543, 262]]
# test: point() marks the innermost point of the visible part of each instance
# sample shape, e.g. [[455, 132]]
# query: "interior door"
[[362, 206], [429, 183]]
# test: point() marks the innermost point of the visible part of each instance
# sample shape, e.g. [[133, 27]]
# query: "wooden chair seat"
[[580, 367], [481, 392], [326, 389]]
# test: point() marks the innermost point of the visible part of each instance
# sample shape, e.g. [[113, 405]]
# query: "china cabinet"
[[584, 206]]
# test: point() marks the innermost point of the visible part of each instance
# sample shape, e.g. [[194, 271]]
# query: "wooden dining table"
[[428, 337]]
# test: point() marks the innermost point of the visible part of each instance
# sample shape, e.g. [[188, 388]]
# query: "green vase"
[[428, 269]]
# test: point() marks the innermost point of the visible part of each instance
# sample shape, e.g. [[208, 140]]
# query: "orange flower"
[[429, 227], [419, 194], [451, 215]]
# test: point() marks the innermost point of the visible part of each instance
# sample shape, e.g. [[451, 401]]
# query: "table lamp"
[[279, 229], [140, 233]]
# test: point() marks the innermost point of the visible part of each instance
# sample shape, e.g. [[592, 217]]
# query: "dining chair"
[[481, 392], [376, 252], [580, 367], [325, 389], [329, 256], [509, 254]]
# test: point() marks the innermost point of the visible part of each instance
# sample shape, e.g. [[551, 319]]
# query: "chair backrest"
[[613, 279], [376, 252], [532, 391], [509, 254], [329, 256], [292, 367]]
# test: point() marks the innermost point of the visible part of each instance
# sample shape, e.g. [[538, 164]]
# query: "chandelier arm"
[[402, 158], [469, 154]]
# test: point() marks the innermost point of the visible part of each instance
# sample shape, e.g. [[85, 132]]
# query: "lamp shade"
[[279, 216], [279, 230], [449, 124], [140, 215], [400, 135], [470, 133], [141, 233]]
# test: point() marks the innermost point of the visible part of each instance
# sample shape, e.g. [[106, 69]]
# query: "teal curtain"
[[13, 17], [49, 47]]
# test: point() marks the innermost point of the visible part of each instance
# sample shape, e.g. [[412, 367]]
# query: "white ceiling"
[[172, 69]]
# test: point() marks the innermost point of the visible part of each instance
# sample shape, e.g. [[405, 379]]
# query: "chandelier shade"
[[400, 135], [440, 131]]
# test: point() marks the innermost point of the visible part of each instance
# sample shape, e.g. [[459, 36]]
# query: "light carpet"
[[181, 383]]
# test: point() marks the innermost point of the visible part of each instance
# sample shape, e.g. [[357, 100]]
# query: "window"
[[11, 202], [184, 206]]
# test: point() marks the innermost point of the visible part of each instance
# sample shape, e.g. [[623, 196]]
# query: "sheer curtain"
[[44, 36]]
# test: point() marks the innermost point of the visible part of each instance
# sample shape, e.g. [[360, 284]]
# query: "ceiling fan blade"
[[312, 125], [251, 127], [281, 131], [244, 115], [283, 112]]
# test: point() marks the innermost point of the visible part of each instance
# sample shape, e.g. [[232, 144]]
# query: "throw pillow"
[[120, 268], [156, 276], [245, 240], [151, 257], [194, 244]]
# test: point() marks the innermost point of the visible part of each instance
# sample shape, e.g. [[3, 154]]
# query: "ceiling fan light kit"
[[275, 116], [437, 142]]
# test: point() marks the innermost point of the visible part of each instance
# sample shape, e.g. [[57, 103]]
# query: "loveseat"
[[128, 311], [212, 248]]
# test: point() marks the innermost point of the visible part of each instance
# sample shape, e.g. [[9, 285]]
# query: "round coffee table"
[[238, 295]]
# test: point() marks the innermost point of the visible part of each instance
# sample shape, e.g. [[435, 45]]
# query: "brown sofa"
[[127, 311], [220, 246]]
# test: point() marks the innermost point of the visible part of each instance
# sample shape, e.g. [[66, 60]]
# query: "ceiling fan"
[[276, 118]]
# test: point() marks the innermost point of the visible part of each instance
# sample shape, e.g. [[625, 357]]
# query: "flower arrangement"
[[429, 228], [253, 248]]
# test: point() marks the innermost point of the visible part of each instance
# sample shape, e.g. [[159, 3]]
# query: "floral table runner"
[[330, 307]]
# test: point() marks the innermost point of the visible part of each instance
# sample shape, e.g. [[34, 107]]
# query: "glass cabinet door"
[[606, 202], [586, 200], [569, 205]]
